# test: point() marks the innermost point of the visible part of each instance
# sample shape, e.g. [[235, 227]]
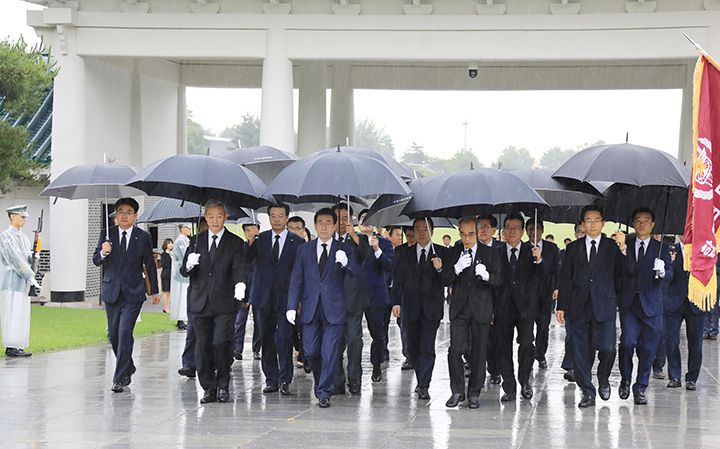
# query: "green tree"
[[555, 157], [247, 132], [415, 155], [515, 158], [196, 143], [369, 135], [25, 78], [460, 161]]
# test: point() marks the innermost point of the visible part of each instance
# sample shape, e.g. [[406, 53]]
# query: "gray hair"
[[214, 203]]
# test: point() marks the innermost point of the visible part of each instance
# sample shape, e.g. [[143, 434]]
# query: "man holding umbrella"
[[122, 253]]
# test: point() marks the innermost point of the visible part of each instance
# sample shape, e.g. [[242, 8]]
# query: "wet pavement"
[[63, 399]]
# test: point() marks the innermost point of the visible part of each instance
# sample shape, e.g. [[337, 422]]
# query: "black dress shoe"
[[542, 364], [187, 372], [338, 390], [569, 375], [526, 391], [674, 383], [587, 401], [271, 389], [117, 388], [285, 390], [624, 390], [376, 374], [658, 374], [307, 368], [209, 396], [496, 379], [16, 352], [454, 400], [690, 385], [407, 365], [639, 398], [256, 356], [223, 395], [423, 394], [237, 355], [354, 388], [181, 325], [604, 392], [507, 397], [324, 403], [127, 380], [473, 401]]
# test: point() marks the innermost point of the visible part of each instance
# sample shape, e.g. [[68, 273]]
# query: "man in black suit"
[[476, 271], [587, 300], [123, 256], [516, 305], [419, 298], [547, 285], [273, 256], [251, 231], [214, 263], [487, 227]]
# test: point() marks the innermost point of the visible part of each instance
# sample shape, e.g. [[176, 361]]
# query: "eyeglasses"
[[485, 227], [595, 221], [514, 228], [125, 213]]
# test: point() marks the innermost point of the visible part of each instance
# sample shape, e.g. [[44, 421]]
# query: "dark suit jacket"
[[522, 289], [376, 272], [126, 275], [600, 283], [469, 289], [271, 276], [212, 284], [678, 289], [313, 289], [548, 283], [356, 294], [419, 290], [640, 279]]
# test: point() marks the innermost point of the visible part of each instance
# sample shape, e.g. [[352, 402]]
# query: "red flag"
[[703, 217]]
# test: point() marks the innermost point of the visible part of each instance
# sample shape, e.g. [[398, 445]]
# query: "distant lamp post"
[[465, 126]]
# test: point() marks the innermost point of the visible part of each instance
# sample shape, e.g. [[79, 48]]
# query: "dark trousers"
[[421, 336], [660, 355], [276, 333], [589, 336], [321, 341], [493, 367], [403, 337], [506, 325], [639, 334], [542, 329], [694, 331], [350, 339], [467, 336], [121, 318], [375, 317], [388, 315], [240, 325], [567, 361], [188, 355], [213, 349]]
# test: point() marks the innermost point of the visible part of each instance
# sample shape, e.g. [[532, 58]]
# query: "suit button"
[[209, 274]]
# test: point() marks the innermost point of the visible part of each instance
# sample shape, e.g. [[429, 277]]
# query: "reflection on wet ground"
[[63, 399]]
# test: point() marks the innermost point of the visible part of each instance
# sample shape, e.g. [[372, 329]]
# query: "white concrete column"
[[69, 224], [342, 114], [685, 144], [181, 121], [276, 114], [312, 115]]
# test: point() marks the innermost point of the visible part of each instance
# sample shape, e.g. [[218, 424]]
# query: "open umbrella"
[[169, 210], [265, 161], [91, 181], [395, 166]]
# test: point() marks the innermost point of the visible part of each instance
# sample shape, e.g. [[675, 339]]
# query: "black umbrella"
[[396, 167], [388, 209], [472, 192], [264, 161], [329, 176], [169, 210]]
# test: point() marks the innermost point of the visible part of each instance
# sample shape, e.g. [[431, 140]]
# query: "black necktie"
[[340, 239], [593, 250], [423, 258], [123, 244], [276, 249], [513, 258], [213, 247], [641, 253], [323, 258]]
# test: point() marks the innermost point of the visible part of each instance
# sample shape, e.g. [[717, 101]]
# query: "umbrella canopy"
[[472, 192], [556, 192], [396, 167], [92, 181], [388, 209], [265, 161], [198, 178], [169, 210], [329, 176]]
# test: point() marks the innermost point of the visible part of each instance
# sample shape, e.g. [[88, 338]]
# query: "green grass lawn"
[[54, 328]]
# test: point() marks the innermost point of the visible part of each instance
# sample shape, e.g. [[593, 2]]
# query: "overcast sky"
[[536, 120]]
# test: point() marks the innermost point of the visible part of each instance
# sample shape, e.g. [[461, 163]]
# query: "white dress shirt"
[[637, 246], [219, 237], [320, 248], [588, 244], [419, 248], [128, 233], [281, 242], [509, 250]]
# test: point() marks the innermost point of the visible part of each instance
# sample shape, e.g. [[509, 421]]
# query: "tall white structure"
[[124, 66]]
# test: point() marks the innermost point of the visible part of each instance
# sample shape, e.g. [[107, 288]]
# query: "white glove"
[[341, 258], [192, 260], [481, 270], [659, 266], [463, 262], [240, 291], [34, 283], [290, 315]]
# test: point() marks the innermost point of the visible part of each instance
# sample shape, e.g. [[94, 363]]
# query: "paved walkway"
[[63, 399]]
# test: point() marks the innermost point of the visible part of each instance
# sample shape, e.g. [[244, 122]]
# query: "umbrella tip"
[[472, 167], [627, 136], [338, 148]]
